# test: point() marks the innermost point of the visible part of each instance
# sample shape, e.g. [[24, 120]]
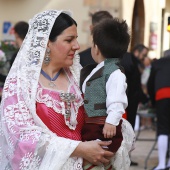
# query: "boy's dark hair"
[[99, 16], [21, 28], [62, 22], [112, 37]]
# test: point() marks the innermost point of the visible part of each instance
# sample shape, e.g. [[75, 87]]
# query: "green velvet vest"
[[95, 93]]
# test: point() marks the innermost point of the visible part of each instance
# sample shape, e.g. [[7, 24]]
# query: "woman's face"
[[64, 48]]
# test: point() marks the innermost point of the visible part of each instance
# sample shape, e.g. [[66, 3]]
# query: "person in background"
[[145, 122], [133, 66], [104, 88], [159, 92], [20, 31], [131, 62], [42, 111], [167, 53], [85, 56], [130, 65], [140, 52], [146, 73]]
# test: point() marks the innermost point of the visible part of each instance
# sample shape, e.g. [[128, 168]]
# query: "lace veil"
[[26, 143]]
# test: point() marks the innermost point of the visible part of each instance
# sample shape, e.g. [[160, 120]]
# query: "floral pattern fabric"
[[26, 142]]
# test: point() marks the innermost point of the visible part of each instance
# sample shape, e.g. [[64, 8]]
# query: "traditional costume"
[[159, 92], [33, 117], [105, 100]]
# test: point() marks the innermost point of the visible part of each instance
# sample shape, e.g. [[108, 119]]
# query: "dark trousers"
[[92, 131], [132, 111], [163, 116]]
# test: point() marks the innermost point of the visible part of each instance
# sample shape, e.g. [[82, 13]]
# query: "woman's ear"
[[48, 44]]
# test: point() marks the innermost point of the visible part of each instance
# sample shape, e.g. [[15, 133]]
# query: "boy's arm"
[[116, 100]]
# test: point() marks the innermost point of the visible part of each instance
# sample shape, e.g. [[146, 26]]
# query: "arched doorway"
[[138, 23]]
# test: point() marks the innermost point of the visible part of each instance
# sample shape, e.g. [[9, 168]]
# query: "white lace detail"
[[121, 160], [49, 101], [30, 161], [76, 67], [73, 164], [59, 106], [22, 132]]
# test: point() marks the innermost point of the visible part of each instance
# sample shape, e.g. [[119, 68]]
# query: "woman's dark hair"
[[62, 22], [112, 37]]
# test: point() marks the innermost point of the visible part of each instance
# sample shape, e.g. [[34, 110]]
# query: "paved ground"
[[142, 149]]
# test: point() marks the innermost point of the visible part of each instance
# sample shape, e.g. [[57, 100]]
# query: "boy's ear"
[[97, 51]]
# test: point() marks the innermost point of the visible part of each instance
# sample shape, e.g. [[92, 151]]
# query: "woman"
[[41, 108]]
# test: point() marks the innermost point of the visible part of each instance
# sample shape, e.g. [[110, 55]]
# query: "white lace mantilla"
[[26, 143]]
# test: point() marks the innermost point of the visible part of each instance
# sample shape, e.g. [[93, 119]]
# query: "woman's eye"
[[68, 40]]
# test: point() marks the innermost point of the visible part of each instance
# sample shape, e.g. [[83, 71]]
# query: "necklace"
[[51, 83]]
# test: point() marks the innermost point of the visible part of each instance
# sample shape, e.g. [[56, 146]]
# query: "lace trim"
[[121, 160], [57, 105], [43, 96], [39, 146]]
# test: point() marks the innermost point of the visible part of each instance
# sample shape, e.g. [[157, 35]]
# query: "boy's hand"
[[109, 130]]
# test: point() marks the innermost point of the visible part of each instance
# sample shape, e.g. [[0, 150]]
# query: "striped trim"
[[88, 167], [108, 167]]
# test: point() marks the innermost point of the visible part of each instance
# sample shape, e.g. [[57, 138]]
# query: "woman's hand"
[[93, 152]]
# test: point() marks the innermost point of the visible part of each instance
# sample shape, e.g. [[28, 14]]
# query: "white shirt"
[[116, 100], [145, 75]]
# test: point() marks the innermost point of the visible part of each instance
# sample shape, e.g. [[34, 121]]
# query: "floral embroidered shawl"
[[25, 141]]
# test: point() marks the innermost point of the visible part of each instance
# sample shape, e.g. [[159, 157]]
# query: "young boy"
[[104, 87]]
